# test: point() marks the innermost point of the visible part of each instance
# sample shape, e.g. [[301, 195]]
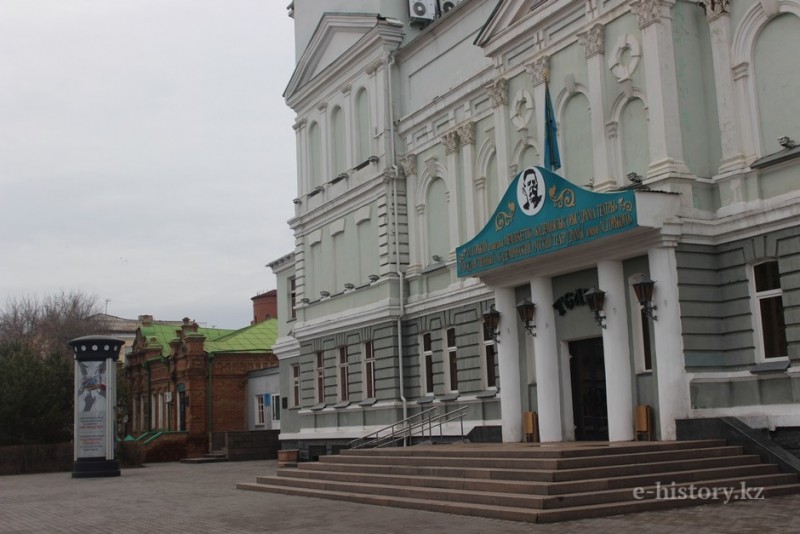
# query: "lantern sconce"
[[644, 294], [491, 320], [595, 299], [527, 311]]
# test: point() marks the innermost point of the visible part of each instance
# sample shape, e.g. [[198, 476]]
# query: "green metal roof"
[[164, 333], [255, 338]]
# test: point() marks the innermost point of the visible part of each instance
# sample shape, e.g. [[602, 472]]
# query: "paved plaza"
[[175, 497]]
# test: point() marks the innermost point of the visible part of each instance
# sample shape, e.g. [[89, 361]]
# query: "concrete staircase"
[[537, 483], [211, 457]]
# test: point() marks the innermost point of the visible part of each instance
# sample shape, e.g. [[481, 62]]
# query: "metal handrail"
[[407, 428]]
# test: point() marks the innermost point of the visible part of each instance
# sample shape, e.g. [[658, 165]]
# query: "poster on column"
[[91, 408]]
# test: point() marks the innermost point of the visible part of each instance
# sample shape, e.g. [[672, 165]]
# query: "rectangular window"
[[292, 298], [369, 370], [259, 409], [296, 384], [320, 376], [490, 358], [276, 407], [427, 358], [769, 297], [344, 375], [452, 368]]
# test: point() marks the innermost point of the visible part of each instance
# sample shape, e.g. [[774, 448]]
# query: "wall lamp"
[[644, 294], [595, 298], [491, 320], [527, 310]]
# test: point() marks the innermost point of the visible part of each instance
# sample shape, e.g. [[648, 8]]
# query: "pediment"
[[335, 34], [507, 14]]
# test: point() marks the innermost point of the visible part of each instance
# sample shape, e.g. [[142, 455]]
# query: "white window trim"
[[298, 397], [275, 407], [484, 371], [319, 372], [260, 420], [755, 308], [365, 362], [343, 387], [448, 379], [423, 368]]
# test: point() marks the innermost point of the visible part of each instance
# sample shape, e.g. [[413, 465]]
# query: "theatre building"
[[578, 209]]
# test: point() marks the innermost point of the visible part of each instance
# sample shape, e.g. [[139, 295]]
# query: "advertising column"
[[95, 406]]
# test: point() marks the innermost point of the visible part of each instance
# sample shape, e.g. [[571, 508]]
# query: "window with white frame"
[[296, 385], [489, 359], [292, 297], [369, 370], [260, 409], [451, 360], [770, 324], [427, 364], [344, 375], [276, 407], [320, 377]]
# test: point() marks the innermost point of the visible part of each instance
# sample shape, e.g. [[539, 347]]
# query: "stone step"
[[530, 501], [543, 463], [510, 513], [529, 487], [534, 475], [525, 450]]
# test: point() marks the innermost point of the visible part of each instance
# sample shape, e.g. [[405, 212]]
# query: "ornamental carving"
[[466, 133], [299, 125], [539, 70], [592, 41], [409, 164], [714, 8], [450, 141], [498, 92], [647, 11]]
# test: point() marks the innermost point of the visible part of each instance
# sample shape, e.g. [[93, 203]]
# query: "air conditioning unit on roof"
[[447, 5], [422, 10]]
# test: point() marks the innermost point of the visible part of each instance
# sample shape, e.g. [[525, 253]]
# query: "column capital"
[[592, 41], [451, 142], [648, 11], [299, 125], [409, 164], [466, 133], [498, 92], [539, 70]]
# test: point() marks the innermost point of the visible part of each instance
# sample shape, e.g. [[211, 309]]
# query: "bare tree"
[[46, 325]]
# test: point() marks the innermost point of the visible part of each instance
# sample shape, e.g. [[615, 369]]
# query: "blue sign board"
[[540, 213]]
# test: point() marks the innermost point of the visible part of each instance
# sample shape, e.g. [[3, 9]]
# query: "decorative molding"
[[299, 125], [346, 89], [539, 70], [373, 67], [420, 209], [592, 41], [466, 133], [620, 69], [647, 12], [569, 84], [498, 92], [430, 165], [408, 163], [714, 8], [480, 183], [522, 110], [323, 106], [451, 142], [612, 129]]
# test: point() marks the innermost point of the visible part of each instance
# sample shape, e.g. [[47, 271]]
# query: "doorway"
[[588, 376]]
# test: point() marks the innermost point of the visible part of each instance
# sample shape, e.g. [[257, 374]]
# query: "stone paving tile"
[[176, 498]]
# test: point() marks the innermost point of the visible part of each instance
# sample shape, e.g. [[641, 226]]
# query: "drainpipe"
[[400, 276], [209, 424]]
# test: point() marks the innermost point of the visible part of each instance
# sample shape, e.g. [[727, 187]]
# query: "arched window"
[[363, 148], [634, 138], [338, 141], [777, 64], [315, 155], [438, 220]]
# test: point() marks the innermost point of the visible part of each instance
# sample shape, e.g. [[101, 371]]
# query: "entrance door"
[[182, 411], [589, 389]]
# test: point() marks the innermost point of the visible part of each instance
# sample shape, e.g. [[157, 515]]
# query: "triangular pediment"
[[335, 34], [507, 14]]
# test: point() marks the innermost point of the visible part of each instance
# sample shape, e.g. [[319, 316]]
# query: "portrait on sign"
[[531, 191]]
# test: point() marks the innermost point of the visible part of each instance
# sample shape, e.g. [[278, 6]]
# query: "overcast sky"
[[146, 153]]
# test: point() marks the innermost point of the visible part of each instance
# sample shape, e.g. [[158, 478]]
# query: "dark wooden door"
[[589, 389]]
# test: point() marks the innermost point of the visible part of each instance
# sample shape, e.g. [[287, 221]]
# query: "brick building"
[[190, 381]]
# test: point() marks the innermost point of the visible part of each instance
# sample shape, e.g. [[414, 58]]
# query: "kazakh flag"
[[552, 160]]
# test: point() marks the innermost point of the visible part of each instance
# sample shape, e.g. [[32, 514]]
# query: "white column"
[[666, 148], [545, 350], [616, 351], [466, 134], [508, 362], [673, 387], [498, 92], [719, 24], [409, 164], [593, 44], [539, 72], [451, 144], [301, 139]]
